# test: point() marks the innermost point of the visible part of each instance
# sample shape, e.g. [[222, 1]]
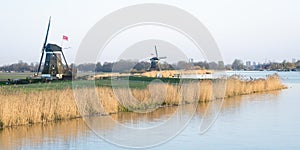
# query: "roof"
[[52, 48], [154, 58]]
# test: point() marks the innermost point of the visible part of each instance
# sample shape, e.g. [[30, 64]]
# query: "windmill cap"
[[154, 58], [52, 48]]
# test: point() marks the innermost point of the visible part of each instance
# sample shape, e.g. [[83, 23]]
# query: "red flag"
[[65, 38]]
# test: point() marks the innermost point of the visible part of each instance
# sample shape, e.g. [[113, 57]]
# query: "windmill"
[[53, 66], [154, 62]]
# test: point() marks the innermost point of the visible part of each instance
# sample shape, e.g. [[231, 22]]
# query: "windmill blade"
[[158, 65], [162, 57], [40, 63], [145, 59], [161, 61], [46, 38], [156, 51], [159, 68], [64, 58], [44, 46]]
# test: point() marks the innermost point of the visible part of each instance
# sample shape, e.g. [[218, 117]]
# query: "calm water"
[[259, 121]]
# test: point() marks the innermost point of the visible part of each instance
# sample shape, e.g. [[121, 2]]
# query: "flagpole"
[[62, 42]]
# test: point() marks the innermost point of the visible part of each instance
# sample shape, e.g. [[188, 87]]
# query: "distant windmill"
[[155, 62], [53, 66]]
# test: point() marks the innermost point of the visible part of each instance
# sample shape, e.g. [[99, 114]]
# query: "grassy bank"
[[41, 103]]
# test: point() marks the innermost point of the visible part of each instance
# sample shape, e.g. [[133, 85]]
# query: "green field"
[[132, 82], [14, 75], [4, 76], [120, 82]]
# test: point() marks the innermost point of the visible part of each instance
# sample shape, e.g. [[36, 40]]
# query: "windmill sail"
[[46, 38], [54, 68], [44, 46], [154, 65], [156, 51]]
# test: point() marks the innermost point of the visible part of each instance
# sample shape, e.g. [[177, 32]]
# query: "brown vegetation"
[[173, 73], [20, 108]]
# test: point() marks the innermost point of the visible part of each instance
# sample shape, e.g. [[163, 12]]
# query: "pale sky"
[[256, 30]]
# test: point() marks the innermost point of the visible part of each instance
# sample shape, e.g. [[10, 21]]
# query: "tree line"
[[271, 66], [135, 66], [119, 66]]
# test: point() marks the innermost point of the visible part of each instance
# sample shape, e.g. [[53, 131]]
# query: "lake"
[[259, 121]]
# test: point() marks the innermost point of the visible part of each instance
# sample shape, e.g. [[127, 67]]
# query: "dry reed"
[[172, 73], [20, 108]]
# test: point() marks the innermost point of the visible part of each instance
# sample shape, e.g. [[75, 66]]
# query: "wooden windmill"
[[53, 66], [155, 61]]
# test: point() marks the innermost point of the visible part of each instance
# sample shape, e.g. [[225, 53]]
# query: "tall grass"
[[21, 108], [236, 86], [172, 73], [28, 108]]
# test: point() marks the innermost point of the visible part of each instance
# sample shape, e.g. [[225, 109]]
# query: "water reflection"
[[59, 135], [32, 136]]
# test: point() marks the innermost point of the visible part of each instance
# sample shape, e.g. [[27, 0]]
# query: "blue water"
[[259, 121], [287, 77]]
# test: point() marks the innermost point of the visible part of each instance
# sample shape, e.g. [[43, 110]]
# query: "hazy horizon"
[[249, 30]]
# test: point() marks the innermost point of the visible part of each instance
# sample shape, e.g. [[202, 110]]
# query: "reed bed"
[[236, 86], [23, 108], [172, 73]]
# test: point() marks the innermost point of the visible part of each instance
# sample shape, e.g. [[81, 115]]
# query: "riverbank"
[[28, 106]]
